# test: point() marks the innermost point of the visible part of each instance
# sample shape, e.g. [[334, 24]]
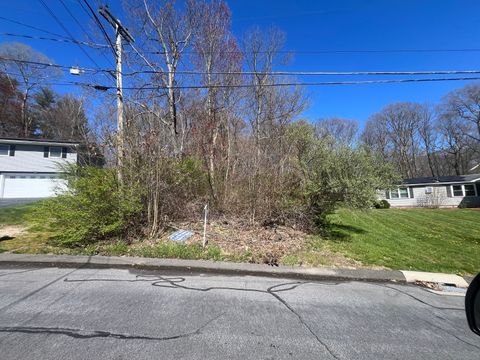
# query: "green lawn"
[[417, 239], [443, 240], [14, 215]]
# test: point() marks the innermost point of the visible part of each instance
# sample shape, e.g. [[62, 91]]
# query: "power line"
[[44, 64], [64, 40], [91, 13], [52, 14], [295, 73], [33, 27], [83, 28], [312, 73], [306, 52], [323, 83], [346, 51]]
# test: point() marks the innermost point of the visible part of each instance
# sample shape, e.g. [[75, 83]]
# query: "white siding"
[[23, 185], [29, 158], [400, 202], [439, 197]]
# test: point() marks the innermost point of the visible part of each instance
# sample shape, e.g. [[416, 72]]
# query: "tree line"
[[429, 140]]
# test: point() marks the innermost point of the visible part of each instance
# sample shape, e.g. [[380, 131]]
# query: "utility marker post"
[[205, 210], [120, 32]]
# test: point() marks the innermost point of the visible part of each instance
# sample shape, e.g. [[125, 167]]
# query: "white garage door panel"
[[31, 186]]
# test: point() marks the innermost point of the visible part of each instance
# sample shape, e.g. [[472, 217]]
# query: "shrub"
[[382, 204], [94, 207], [335, 175]]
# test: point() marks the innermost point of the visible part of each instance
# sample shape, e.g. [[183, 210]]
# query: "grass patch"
[[15, 215], [442, 240], [180, 251]]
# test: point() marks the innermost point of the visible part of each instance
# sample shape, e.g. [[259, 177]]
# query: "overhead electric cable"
[[52, 14]]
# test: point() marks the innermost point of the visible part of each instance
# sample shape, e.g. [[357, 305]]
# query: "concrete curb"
[[202, 266]]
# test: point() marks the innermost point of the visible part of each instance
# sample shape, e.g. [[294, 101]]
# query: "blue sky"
[[316, 26]]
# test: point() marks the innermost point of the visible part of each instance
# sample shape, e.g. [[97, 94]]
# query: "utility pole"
[[120, 32]]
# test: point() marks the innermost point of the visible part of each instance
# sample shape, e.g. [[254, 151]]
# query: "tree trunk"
[[26, 128]]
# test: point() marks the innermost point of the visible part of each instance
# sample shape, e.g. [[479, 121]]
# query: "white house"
[[31, 168], [439, 191]]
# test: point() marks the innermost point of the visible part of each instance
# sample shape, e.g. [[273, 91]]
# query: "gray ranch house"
[[31, 168], [439, 191]]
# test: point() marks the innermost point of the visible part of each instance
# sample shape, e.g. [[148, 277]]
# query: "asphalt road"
[[55, 313]]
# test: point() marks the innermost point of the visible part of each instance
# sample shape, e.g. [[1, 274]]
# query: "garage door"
[[31, 185]]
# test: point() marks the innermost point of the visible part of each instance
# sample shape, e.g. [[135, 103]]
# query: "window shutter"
[[449, 191], [45, 151], [387, 194], [12, 150], [478, 188], [410, 192], [64, 152]]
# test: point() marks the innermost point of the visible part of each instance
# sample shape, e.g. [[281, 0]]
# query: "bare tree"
[[341, 131], [465, 104], [428, 136], [10, 107], [457, 143], [400, 123], [18, 61], [218, 57], [165, 34], [374, 137], [269, 110]]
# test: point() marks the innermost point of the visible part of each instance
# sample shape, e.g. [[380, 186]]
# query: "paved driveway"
[[13, 202], [55, 313]]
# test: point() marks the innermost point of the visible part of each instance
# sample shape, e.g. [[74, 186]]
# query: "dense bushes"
[[382, 204], [312, 178], [94, 207], [335, 175]]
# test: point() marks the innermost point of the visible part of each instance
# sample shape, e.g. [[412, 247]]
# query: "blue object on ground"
[[180, 235]]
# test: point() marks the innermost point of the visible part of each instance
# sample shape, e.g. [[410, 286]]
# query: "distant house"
[[439, 191], [31, 168]]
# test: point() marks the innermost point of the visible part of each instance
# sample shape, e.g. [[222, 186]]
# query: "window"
[[4, 150], [428, 190], [470, 190], [55, 151], [400, 193], [464, 190], [457, 190], [403, 193]]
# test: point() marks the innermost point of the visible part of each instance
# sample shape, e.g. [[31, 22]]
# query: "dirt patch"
[[264, 244], [8, 232]]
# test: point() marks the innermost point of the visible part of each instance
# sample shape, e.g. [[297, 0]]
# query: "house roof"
[[431, 180], [25, 141]]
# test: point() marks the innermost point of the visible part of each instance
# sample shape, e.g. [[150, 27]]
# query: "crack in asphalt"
[[18, 272], [418, 299], [13, 303], [434, 307], [451, 334], [304, 323], [174, 283], [84, 334]]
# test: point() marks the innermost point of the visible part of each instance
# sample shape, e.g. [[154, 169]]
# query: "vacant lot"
[[419, 239], [446, 240]]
